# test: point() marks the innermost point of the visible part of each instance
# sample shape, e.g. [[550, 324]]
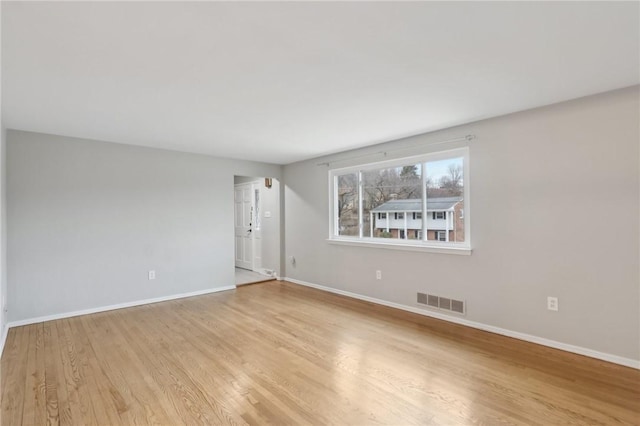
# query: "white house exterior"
[[403, 219]]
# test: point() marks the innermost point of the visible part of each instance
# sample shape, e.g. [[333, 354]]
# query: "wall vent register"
[[442, 303]]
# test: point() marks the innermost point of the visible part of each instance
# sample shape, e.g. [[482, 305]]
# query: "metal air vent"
[[442, 303]]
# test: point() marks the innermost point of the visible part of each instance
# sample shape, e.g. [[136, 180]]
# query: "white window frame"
[[451, 247]]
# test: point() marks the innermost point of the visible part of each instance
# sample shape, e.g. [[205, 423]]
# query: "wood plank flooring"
[[284, 354]]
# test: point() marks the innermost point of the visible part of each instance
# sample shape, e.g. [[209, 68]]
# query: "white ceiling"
[[281, 82]]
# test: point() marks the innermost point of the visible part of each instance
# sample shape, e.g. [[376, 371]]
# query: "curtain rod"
[[385, 152]]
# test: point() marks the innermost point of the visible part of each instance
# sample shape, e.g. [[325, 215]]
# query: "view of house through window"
[[422, 201], [389, 191], [445, 200]]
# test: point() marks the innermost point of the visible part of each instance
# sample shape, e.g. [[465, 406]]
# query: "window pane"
[[395, 192], [445, 200], [347, 204]]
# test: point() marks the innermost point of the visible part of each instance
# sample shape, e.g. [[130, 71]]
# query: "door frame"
[[270, 238]]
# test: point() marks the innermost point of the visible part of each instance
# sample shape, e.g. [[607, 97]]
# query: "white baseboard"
[[117, 306], [628, 362], [3, 337]]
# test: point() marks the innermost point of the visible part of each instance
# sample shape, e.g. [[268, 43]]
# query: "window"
[[425, 187]]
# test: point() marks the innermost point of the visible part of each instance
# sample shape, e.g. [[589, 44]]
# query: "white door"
[[243, 225]]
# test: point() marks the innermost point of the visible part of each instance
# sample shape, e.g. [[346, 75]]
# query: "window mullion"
[[424, 201], [360, 210], [336, 216]]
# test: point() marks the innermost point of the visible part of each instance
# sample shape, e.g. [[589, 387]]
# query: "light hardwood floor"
[[284, 354]]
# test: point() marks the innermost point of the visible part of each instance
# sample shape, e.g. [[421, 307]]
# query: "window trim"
[[392, 243], [396, 244]]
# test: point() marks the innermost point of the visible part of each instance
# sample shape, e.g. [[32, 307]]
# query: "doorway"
[[245, 226], [256, 229]]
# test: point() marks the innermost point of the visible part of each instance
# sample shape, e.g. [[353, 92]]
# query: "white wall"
[[88, 219], [271, 229], [542, 182]]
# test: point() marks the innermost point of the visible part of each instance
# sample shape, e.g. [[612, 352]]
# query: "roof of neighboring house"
[[415, 205]]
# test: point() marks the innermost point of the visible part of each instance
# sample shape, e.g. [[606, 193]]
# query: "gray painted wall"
[[3, 216], [3, 232], [271, 230], [88, 219], [554, 199], [244, 179]]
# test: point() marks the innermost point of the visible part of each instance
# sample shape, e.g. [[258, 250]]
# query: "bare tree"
[[409, 173], [411, 183], [452, 182], [383, 185], [347, 192]]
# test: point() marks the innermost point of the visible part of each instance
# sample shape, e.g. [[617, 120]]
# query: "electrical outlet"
[[152, 275], [552, 303], [378, 275]]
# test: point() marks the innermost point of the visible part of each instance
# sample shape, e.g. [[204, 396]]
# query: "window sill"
[[429, 248]]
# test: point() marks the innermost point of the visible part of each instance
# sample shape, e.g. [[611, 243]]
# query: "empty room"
[[347, 213]]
